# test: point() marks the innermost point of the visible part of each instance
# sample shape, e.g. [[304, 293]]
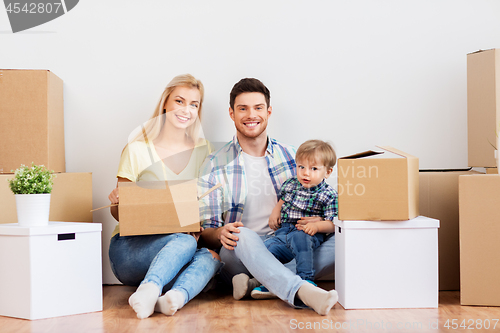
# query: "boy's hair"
[[249, 85], [318, 150]]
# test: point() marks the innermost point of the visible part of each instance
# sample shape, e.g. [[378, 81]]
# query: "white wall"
[[357, 73]]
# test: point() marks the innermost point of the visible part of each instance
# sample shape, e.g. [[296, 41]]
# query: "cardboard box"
[[378, 185], [388, 264], [50, 271], [439, 200], [31, 120], [483, 106], [479, 199], [71, 198], [148, 208]]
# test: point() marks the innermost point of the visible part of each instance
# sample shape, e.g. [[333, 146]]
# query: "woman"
[[168, 147]]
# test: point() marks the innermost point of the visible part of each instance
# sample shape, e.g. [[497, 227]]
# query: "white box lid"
[[14, 229], [419, 222]]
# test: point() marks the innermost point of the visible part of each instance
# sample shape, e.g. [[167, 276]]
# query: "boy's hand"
[[306, 219], [274, 220], [275, 217], [310, 228]]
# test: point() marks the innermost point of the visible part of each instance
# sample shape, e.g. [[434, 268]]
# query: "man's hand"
[[226, 236], [274, 220], [306, 219], [311, 228]]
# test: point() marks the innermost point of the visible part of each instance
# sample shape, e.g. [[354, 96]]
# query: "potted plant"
[[32, 188]]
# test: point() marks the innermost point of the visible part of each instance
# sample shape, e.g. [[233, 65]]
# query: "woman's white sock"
[[144, 299], [169, 303]]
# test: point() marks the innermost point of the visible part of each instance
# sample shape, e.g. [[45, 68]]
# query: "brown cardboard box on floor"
[[483, 106], [439, 200], [378, 185], [31, 120], [70, 201], [148, 208], [479, 200]]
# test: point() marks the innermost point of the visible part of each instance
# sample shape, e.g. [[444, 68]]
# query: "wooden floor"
[[217, 311]]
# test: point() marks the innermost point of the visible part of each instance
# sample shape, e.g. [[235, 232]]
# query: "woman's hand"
[[114, 197], [196, 235]]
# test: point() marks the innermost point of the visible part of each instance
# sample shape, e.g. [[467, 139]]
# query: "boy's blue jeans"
[[289, 243], [169, 261]]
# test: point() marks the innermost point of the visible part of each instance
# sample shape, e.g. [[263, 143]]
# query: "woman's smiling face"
[[182, 106]]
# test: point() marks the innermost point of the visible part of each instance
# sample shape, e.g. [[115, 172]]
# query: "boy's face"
[[311, 172], [250, 114]]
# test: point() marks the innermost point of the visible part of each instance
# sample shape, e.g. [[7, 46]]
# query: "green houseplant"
[[32, 188]]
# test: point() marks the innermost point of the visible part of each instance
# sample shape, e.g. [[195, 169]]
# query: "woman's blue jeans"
[[169, 261]]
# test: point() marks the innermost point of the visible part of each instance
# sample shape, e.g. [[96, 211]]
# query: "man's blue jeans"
[[289, 243], [169, 261], [250, 256]]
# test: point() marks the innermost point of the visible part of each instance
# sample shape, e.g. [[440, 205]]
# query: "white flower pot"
[[33, 209]]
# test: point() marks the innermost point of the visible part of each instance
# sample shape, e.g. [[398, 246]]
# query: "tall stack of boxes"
[[32, 130], [479, 195], [50, 260], [386, 255]]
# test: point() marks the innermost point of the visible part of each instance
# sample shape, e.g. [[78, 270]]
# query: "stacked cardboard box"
[[378, 185], [483, 107], [379, 222], [479, 246], [480, 194], [439, 199], [32, 130]]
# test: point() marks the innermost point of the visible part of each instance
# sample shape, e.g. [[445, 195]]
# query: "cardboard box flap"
[[447, 170], [479, 51], [367, 153], [386, 152], [396, 151]]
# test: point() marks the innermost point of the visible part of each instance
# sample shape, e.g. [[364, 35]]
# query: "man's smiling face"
[[250, 114]]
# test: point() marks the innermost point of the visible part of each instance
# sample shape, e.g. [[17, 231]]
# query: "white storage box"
[[387, 264], [50, 271]]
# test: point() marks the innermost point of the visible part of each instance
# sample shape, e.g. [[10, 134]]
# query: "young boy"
[[305, 195]]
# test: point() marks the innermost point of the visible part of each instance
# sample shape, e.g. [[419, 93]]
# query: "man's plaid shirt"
[[226, 166], [320, 200]]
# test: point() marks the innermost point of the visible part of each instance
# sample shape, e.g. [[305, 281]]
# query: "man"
[[251, 169]]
